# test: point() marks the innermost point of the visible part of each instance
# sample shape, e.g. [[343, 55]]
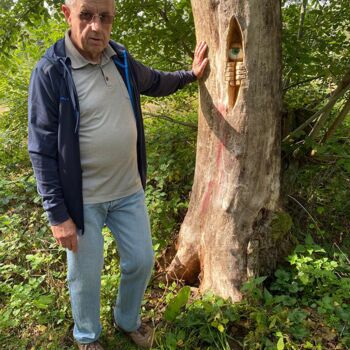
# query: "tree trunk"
[[226, 235]]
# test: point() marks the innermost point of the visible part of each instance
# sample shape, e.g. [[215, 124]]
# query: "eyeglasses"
[[89, 17]]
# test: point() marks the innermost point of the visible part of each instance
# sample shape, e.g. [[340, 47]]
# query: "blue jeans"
[[128, 221]]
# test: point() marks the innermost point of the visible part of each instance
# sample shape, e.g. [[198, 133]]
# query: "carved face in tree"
[[90, 24]]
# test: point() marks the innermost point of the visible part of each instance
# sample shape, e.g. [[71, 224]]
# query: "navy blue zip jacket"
[[53, 127]]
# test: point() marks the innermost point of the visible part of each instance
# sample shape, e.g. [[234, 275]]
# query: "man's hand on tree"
[[199, 62], [66, 235]]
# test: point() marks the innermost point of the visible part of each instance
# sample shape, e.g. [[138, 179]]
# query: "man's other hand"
[[199, 62], [66, 235]]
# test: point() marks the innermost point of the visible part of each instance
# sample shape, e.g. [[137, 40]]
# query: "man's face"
[[90, 25]]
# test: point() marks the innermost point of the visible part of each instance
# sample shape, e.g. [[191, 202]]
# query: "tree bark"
[[226, 234]]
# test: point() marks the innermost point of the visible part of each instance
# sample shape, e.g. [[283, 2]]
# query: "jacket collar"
[[57, 53]]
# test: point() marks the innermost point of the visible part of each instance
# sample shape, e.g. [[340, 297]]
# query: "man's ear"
[[67, 12]]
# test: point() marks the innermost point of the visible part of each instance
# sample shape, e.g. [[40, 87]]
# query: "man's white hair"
[[69, 2]]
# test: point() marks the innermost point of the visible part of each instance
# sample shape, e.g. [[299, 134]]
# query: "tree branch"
[[165, 117], [342, 115], [302, 19], [302, 82], [338, 93], [343, 86]]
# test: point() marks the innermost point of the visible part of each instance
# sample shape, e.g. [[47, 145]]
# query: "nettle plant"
[[305, 306], [319, 285]]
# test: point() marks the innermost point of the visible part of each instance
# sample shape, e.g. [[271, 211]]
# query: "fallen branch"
[[323, 112], [342, 115], [338, 94]]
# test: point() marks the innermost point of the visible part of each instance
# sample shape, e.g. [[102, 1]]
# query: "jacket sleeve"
[[43, 144], [157, 83]]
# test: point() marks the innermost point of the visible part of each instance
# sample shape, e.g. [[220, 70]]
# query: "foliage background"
[[305, 305]]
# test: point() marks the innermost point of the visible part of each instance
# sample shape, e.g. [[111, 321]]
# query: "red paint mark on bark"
[[219, 154], [222, 109], [222, 134], [207, 196], [223, 125], [221, 113]]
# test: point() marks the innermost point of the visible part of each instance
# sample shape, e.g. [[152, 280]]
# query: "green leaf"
[[171, 340], [267, 296], [280, 344], [43, 302], [174, 307], [260, 280], [221, 328], [309, 240], [273, 322]]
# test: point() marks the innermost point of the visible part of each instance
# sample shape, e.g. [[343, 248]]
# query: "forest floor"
[[305, 305]]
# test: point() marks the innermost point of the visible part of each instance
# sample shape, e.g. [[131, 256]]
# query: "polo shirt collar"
[[78, 60]]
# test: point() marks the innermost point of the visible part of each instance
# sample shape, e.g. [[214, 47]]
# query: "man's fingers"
[[203, 50], [74, 244], [202, 67], [199, 62], [69, 243], [204, 63], [200, 48], [66, 234], [64, 242]]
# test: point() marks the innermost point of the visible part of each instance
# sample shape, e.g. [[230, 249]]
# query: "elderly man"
[[87, 147]]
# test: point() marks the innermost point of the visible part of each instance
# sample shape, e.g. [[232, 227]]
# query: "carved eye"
[[234, 53]]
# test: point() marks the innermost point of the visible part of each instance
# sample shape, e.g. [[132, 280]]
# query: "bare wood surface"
[[236, 185]]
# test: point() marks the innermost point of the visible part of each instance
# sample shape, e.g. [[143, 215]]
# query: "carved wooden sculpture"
[[235, 68]]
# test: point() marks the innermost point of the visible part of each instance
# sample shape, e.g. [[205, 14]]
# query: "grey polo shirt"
[[107, 132]]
